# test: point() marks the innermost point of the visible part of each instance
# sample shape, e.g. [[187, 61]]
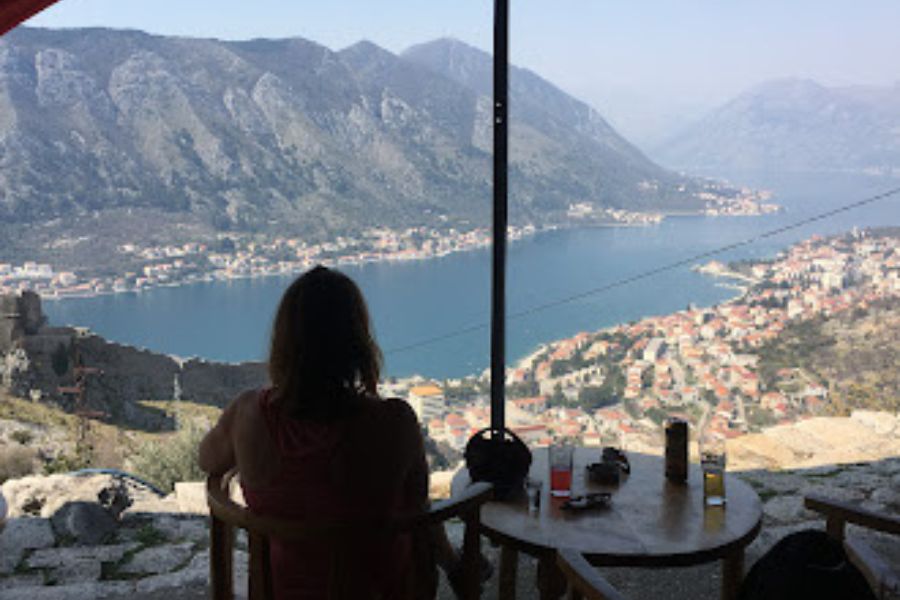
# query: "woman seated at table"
[[321, 444]]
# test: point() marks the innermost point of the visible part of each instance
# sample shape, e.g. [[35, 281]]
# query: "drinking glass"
[[561, 470], [533, 488], [712, 462]]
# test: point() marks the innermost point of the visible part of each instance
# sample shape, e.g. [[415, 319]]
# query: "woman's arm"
[[412, 449], [216, 454]]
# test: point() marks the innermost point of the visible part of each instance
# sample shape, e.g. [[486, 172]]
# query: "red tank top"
[[304, 490]]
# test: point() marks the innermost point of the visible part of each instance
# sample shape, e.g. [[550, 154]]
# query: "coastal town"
[[237, 256], [619, 385]]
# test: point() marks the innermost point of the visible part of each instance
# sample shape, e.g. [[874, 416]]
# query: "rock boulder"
[[22, 534], [85, 523]]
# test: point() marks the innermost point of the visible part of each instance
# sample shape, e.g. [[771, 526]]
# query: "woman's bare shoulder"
[[390, 422], [248, 401], [248, 412], [398, 410]]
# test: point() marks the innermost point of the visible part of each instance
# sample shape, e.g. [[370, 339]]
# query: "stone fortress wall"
[[36, 360], [20, 316]]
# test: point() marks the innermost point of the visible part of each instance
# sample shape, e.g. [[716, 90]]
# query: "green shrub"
[[15, 462], [23, 436], [65, 463], [167, 462], [148, 535]]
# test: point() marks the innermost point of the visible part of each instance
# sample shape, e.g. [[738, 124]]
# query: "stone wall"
[[217, 383], [10, 329], [36, 360], [128, 375], [20, 315]]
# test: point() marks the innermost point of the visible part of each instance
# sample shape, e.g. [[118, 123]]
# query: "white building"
[[655, 349], [427, 401]]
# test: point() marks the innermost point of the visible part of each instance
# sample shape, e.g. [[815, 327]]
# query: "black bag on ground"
[[805, 564], [504, 462]]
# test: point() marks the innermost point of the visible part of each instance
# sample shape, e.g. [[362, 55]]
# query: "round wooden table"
[[651, 523]]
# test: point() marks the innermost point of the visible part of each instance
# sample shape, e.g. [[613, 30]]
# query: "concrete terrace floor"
[[874, 485], [694, 583]]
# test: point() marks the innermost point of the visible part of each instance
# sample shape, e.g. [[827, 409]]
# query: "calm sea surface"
[[418, 301]]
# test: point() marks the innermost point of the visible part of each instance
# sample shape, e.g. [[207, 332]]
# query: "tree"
[[632, 409], [557, 398], [689, 377], [522, 389], [760, 418], [591, 396], [560, 367], [165, 463], [647, 379], [657, 415]]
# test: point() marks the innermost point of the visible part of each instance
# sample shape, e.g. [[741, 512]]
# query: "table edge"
[[677, 559], [673, 559]]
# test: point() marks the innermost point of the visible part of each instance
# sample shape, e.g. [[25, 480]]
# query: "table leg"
[[509, 564], [732, 574], [551, 582]]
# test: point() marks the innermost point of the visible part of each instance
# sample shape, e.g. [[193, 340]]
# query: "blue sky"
[[649, 66]]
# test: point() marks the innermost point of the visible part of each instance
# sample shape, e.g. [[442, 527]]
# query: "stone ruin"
[[20, 315], [37, 359]]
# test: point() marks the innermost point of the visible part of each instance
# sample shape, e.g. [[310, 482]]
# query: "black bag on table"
[[503, 462]]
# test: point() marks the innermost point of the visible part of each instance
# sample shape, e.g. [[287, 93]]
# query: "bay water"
[[559, 283]]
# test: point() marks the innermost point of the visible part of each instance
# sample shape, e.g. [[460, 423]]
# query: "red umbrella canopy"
[[13, 12]]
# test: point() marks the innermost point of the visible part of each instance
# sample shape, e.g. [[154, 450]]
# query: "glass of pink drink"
[[561, 470]]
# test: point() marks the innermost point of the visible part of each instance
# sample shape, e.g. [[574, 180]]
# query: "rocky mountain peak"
[[794, 125], [288, 135]]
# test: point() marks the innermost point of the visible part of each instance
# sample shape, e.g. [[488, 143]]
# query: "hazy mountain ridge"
[[579, 140], [794, 125], [289, 135]]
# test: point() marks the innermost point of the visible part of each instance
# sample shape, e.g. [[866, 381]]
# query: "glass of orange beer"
[[712, 462]]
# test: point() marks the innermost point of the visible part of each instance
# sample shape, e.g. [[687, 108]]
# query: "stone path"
[[156, 550]]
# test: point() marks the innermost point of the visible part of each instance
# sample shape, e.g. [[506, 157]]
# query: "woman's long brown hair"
[[323, 357]]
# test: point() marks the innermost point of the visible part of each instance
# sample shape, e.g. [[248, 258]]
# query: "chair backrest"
[[342, 536], [583, 579], [3, 510], [882, 577]]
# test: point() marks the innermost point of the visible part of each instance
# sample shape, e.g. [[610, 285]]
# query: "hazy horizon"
[[649, 69]]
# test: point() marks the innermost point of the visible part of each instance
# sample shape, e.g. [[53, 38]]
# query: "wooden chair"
[[225, 515], [3, 511], [585, 582], [883, 579]]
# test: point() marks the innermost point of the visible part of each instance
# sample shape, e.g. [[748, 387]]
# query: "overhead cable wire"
[[649, 273]]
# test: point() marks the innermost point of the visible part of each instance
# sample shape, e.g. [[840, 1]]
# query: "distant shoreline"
[[337, 262], [529, 230]]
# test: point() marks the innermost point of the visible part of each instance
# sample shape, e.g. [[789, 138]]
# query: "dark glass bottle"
[[676, 450]]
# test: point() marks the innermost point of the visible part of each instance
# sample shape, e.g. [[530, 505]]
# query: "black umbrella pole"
[[498, 271]]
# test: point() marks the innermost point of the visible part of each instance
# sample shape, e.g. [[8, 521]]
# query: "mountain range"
[[794, 125], [289, 136]]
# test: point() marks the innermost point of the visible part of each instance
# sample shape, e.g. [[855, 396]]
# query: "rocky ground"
[[864, 436], [99, 537]]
